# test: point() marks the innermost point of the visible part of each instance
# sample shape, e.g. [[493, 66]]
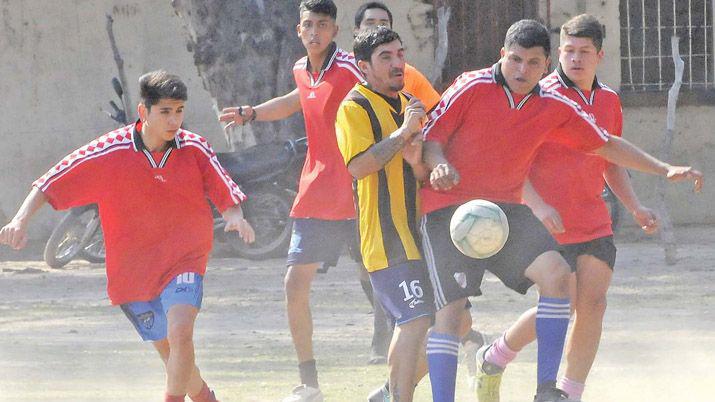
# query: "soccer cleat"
[[550, 395], [304, 393], [488, 377], [379, 395]]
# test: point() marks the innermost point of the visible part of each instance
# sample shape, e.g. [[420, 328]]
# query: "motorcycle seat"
[[257, 161]]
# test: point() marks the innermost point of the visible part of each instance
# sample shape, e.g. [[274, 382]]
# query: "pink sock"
[[205, 395], [174, 398], [572, 388], [499, 353]]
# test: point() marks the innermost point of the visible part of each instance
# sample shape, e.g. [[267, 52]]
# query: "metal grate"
[[646, 29]]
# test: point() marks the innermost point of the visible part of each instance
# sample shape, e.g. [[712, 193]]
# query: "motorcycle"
[[267, 173]]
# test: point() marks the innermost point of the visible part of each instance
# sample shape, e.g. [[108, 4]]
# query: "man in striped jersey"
[[323, 212], [479, 143], [150, 180]]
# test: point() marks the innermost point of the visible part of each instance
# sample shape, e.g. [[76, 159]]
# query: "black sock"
[[308, 373], [367, 288], [546, 386], [473, 336]]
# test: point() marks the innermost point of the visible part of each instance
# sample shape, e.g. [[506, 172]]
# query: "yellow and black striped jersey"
[[386, 200]]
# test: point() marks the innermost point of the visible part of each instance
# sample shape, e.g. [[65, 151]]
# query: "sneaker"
[[488, 377], [550, 395], [379, 395], [304, 393]]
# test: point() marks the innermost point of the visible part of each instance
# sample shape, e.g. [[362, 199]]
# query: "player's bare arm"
[[621, 152], [545, 212], [275, 109], [443, 175], [620, 183], [381, 153], [236, 222], [14, 234]]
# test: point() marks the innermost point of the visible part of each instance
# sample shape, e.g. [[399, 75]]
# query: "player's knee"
[[295, 288], [555, 279], [594, 306], [180, 334]]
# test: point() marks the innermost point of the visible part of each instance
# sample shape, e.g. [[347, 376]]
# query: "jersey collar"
[[499, 79], [566, 81], [331, 53], [139, 146]]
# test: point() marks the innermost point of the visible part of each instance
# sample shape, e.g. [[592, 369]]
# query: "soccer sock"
[[442, 352], [173, 398], [500, 354], [205, 395], [573, 389], [552, 321], [367, 289], [308, 373]]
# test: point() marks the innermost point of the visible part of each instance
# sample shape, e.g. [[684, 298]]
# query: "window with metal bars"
[[646, 56]]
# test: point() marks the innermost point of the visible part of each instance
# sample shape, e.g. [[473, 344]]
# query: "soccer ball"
[[479, 228]]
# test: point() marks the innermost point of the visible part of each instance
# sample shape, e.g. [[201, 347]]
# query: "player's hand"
[[240, 225], [412, 151], [14, 234], [550, 218], [443, 177], [646, 219], [414, 116], [237, 115], [678, 173]]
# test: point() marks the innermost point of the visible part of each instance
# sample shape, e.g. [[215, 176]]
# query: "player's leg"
[[381, 325], [454, 277], [196, 388], [593, 277], [313, 242], [529, 257]]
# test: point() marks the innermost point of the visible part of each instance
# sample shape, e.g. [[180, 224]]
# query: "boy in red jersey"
[[480, 142], [150, 180], [572, 209], [323, 212]]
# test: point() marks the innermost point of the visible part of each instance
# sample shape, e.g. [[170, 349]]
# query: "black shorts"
[[602, 248], [454, 275]]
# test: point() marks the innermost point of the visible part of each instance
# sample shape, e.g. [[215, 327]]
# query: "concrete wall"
[[57, 65]]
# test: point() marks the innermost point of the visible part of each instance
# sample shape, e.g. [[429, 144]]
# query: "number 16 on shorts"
[[404, 291]]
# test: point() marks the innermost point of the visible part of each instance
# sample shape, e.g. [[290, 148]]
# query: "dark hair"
[[528, 34], [326, 7], [584, 26], [368, 40], [157, 85], [360, 14]]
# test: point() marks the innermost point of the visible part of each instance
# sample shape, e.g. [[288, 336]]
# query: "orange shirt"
[[419, 86]]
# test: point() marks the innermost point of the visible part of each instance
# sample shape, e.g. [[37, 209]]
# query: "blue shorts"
[[149, 318], [404, 290], [318, 240]]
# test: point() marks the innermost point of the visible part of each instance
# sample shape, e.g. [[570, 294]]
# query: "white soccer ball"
[[479, 228]]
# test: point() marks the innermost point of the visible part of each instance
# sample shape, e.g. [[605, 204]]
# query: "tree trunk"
[[245, 51]]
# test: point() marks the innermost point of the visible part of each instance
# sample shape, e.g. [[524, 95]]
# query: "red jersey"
[[156, 219], [325, 187], [490, 135], [572, 181]]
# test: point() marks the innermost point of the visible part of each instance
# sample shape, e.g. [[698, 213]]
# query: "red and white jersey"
[[572, 181], [490, 135], [325, 188], [156, 219]]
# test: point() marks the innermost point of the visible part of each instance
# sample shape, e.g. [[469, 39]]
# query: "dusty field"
[[61, 341]]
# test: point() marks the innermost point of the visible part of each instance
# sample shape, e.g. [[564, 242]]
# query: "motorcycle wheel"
[[268, 213], [65, 242], [93, 250]]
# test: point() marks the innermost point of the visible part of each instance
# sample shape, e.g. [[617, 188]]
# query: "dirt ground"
[[62, 341]]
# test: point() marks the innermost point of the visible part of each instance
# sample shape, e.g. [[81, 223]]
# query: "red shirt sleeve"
[[578, 129], [448, 115], [75, 181], [218, 185]]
